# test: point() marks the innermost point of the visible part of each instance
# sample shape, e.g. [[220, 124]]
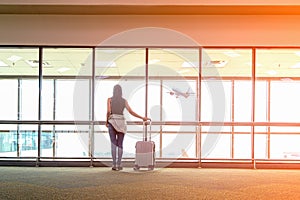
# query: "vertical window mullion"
[[40, 103], [253, 104]]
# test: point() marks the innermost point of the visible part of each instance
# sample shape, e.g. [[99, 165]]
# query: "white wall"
[[206, 30]]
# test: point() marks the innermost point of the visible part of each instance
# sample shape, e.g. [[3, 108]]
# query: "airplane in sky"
[[179, 93]]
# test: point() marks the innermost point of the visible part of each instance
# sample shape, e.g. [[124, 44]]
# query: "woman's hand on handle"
[[146, 119]]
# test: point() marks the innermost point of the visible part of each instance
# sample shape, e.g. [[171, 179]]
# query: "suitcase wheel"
[[136, 167]]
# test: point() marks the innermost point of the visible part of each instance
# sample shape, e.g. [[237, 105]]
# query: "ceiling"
[[224, 62], [139, 9]]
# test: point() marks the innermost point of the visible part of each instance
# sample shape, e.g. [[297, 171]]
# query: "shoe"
[[120, 168], [114, 168]]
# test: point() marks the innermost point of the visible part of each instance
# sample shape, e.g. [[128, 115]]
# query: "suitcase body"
[[145, 152]]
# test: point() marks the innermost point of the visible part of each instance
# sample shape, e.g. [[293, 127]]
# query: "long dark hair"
[[117, 92], [117, 101]]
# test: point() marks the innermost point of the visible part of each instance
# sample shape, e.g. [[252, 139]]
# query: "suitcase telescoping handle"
[[145, 130]]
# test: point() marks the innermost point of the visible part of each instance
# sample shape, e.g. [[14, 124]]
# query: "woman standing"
[[116, 124]]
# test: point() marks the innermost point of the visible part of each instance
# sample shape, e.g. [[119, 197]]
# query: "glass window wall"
[[19, 83], [66, 92], [200, 110], [277, 86], [226, 96]]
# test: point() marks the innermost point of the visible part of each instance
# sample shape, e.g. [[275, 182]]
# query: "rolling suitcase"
[[145, 151]]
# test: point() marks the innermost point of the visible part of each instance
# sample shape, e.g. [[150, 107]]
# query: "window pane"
[[29, 99], [8, 140], [284, 142], [261, 146], [223, 71], [19, 62], [102, 145], [221, 148], [66, 83], [67, 62], [48, 99], [64, 100], [261, 99], [216, 100], [178, 145], [216, 142], [70, 142], [285, 100], [284, 146], [179, 100], [14, 63], [48, 141], [120, 62], [242, 101], [28, 140], [226, 62], [173, 62], [242, 145], [277, 63], [279, 66], [71, 105], [9, 104]]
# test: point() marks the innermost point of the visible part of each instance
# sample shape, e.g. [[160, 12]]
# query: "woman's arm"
[[108, 110], [134, 113]]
